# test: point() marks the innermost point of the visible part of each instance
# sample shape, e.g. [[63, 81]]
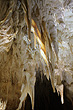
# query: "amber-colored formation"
[[33, 34]]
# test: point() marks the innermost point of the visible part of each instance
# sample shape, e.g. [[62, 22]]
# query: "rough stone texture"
[[18, 59]]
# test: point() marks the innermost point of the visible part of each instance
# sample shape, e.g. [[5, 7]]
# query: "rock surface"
[[19, 58]]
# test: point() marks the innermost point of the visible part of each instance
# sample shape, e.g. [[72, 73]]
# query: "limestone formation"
[[33, 34]]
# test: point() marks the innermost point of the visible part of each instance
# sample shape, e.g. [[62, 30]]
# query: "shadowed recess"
[[45, 99]]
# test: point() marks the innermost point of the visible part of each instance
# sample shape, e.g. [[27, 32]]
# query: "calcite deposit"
[[33, 34]]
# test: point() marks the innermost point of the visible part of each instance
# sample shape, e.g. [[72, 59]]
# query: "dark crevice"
[[27, 104], [45, 99]]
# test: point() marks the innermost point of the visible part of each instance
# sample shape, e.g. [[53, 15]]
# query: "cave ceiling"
[[46, 26]]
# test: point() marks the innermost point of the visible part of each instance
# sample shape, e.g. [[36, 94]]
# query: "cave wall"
[[19, 60]]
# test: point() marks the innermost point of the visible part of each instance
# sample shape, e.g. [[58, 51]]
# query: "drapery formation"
[[35, 23], [42, 34], [47, 41], [39, 23]]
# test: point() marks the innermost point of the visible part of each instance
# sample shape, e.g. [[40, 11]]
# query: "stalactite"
[[60, 89], [43, 52], [41, 35], [9, 11], [39, 16], [2, 104], [34, 41], [2, 21], [27, 9], [38, 35]]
